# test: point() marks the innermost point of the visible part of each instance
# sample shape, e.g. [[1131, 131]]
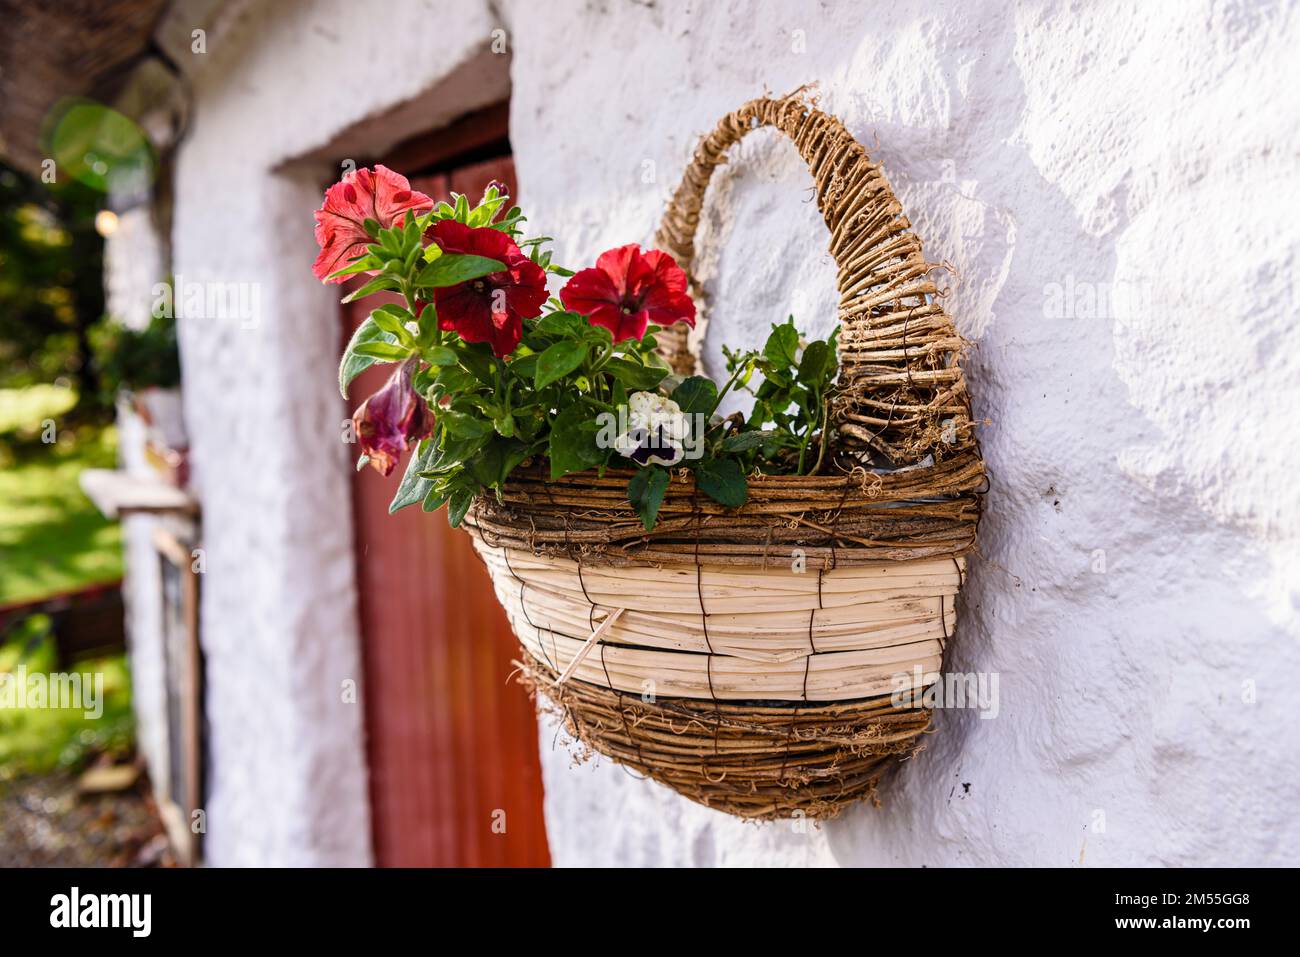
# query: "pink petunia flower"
[[382, 195]]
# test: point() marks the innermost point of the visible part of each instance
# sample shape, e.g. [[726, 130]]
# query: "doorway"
[[451, 740]]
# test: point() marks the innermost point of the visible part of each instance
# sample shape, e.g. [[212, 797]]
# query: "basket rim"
[[835, 519]]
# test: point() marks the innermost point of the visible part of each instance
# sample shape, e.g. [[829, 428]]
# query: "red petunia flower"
[[393, 419], [628, 290], [493, 308], [383, 196]]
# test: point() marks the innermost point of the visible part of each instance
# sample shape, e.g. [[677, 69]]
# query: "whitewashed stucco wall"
[[1048, 153]]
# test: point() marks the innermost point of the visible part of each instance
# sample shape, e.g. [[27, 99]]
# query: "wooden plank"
[[454, 147], [117, 493]]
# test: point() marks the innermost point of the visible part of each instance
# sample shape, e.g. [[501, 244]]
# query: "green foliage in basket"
[[491, 372]]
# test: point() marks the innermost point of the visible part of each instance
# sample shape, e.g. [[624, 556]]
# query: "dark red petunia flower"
[[383, 196], [393, 419], [490, 309], [628, 290]]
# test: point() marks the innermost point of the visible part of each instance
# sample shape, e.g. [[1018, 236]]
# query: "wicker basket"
[[766, 661]]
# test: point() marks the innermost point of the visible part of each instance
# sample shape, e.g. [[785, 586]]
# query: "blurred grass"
[[25, 410], [44, 739], [53, 539]]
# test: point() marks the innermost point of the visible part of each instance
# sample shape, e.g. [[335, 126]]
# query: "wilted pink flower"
[[383, 196], [393, 419]]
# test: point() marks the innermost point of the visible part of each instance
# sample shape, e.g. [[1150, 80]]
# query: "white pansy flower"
[[656, 430]]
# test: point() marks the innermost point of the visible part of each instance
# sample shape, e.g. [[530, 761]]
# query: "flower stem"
[[725, 389], [823, 441]]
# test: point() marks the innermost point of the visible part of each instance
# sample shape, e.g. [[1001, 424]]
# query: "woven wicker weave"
[[753, 659]]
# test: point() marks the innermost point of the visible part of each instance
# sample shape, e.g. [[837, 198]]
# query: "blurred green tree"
[[51, 285]]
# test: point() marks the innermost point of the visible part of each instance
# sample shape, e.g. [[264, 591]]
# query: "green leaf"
[[782, 345], [381, 351], [817, 365], [412, 230], [519, 453], [451, 269], [477, 402], [498, 459], [567, 324], [378, 284], [524, 367], [413, 488], [363, 263], [435, 500], [744, 441], [477, 358], [599, 335], [486, 466], [509, 223], [458, 505], [722, 481], [392, 319], [558, 361], [646, 493], [573, 442], [453, 380], [440, 356], [353, 363], [486, 211], [464, 426], [634, 376], [697, 394], [453, 452]]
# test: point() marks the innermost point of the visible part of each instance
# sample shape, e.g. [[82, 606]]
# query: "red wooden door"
[[455, 779]]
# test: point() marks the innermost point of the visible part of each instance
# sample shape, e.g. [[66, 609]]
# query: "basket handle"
[[896, 344]]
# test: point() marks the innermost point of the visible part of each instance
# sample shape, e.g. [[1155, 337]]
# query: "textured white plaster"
[[1134, 147]]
